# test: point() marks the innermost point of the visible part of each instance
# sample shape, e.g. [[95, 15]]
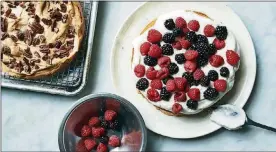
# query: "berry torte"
[[39, 38], [184, 62]]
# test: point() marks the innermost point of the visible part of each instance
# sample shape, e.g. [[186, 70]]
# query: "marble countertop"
[[30, 120]]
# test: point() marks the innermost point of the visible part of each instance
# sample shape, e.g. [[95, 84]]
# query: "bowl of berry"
[[102, 123]]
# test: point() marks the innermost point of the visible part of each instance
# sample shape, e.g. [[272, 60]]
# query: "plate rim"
[[249, 85]]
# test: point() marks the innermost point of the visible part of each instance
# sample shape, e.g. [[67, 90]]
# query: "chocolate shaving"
[[63, 8], [64, 18], [44, 48], [71, 32], [37, 18], [6, 62], [28, 37], [56, 15], [51, 45], [12, 16], [20, 35], [36, 27], [42, 38], [14, 38], [46, 21], [6, 50], [54, 26], [26, 61], [45, 57], [22, 4], [19, 67], [36, 41], [27, 52], [27, 68], [70, 43], [8, 12], [37, 54], [11, 6], [4, 24], [58, 44], [49, 61], [17, 3], [64, 53], [56, 30], [4, 36], [36, 67], [33, 61]]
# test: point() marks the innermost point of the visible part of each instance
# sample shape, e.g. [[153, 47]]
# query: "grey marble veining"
[[30, 120]]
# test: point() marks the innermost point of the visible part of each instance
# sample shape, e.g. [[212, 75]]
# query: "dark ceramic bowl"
[[132, 132]]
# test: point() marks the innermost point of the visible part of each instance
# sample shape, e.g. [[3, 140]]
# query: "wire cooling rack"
[[74, 75]]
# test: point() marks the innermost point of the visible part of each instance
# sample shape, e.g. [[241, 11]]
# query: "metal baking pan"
[[72, 80]]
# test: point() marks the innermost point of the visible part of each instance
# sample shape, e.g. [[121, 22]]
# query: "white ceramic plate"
[[122, 74]]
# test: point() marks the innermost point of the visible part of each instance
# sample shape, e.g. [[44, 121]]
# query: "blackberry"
[[201, 61], [204, 81], [212, 49], [202, 39], [101, 118], [192, 104], [212, 75], [210, 93], [142, 84], [164, 94], [189, 77], [195, 83], [193, 47], [173, 68], [202, 47], [177, 32], [180, 58], [166, 79], [167, 49], [191, 36], [150, 61], [224, 72], [114, 125], [221, 32], [202, 53], [102, 108], [169, 24], [104, 124], [168, 38], [104, 139]]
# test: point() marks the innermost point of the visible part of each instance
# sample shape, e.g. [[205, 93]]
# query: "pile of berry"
[[198, 53], [94, 134]]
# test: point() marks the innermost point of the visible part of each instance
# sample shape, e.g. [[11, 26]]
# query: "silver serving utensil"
[[233, 117]]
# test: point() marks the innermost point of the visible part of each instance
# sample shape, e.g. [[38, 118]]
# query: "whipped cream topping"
[[230, 42]]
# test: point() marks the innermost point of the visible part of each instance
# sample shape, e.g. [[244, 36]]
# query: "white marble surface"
[[30, 120]]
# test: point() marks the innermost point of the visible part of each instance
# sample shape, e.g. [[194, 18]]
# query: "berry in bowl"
[[102, 123]]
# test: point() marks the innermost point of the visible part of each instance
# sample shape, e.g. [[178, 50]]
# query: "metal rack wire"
[[72, 75]]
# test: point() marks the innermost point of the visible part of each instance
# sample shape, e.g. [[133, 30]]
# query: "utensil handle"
[[253, 123]]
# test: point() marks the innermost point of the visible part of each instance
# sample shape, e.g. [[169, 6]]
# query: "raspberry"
[[110, 115], [90, 144], [180, 96], [177, 45], [194, 94], [185, 30], [144, 48], [209, 30], [155, 51], [190, 66], [216, 60], [114, 141], [232, 57], [191, 55], [220, 85], [166, 79], [151, 73], [170, 86], [180, 83], [194, 25], [180, 22], [102, 148], [187, 88], [80, 146], [185, 43], [153, 95], [198, 74], [162, 73], [85, 131], [98, 132], [176, 108], [169, 24], [156, 84], [219, 44], [164, 61], [139, 70], [94, 122], [154, 36]]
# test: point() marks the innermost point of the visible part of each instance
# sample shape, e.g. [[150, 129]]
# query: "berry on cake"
[[184, 62]]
